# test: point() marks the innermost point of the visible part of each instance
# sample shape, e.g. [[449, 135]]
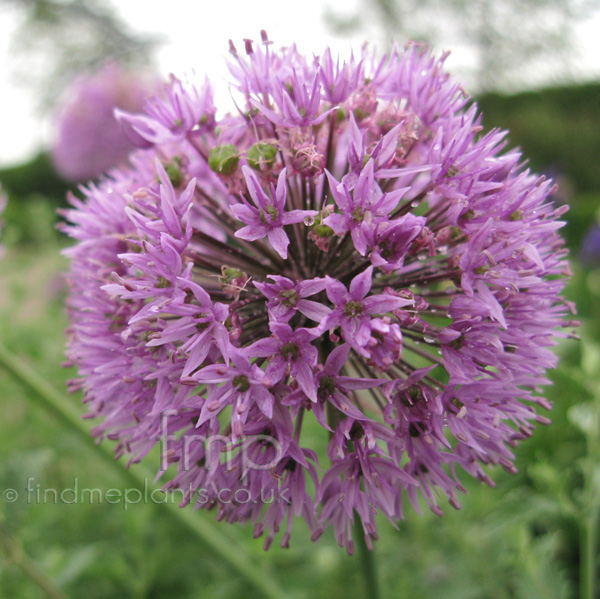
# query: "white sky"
[[197, 39]]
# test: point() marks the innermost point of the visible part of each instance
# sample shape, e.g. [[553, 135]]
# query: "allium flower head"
[[88, 139], [347, 254]]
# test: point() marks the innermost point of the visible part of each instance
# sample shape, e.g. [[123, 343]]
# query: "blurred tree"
[[57, 39], [506, 43]]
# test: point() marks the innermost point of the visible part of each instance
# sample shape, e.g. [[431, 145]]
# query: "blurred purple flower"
[[88, 139], [399, 292], [590, 247]]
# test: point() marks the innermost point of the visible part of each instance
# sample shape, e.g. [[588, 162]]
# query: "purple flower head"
[[363, 209], [291, 354], [391, 241], [353, 310], [285, 298], [345, 255], [182, 109], [242, 385], [201, 324], [268, 215], [88, 139], [298, 105], [339, 82]]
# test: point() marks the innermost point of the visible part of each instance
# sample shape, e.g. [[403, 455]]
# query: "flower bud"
[[223, 160], [233, 280], [321, 235], [261, 156], [308, 160]]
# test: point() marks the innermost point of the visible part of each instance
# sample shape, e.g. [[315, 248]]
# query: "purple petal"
[[245, 214], [196, 357], [380, 304], [263, 348], [239, 360], [167, 201], [142, 131], [306, 379], [201, 295], [362, 335], [353, 383], [264, 400], [337, 358], [338, 222], [255, 189], [283, 331], [221, 338], [336, 291], [359, 240], [342, 403], [279, 241], [252, 232], [361, 284], [311, 286], [297, 216], [313, 310], [276, 369], [389, 201], [386, 148], [273, 116], [339, 192], [280, 193], [491, 302]]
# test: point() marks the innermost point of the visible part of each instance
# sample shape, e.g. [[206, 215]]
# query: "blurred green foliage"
[[34, 193], [558, 130]]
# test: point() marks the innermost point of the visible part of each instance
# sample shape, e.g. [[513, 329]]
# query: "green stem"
[[211, 536], [590, 517], [589, 557], [367, 561]]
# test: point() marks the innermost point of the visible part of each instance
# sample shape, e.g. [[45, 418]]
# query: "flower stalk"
[[368, 563], [589, 520]]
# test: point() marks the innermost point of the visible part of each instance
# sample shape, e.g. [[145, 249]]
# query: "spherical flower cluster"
[[88, 139], [323, 305]]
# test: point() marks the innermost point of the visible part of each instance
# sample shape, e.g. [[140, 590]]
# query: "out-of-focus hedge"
[[558, 129], [34, 177], [34, 193]]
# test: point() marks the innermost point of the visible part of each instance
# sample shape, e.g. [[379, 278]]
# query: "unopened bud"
[[261, 156], [321, 235], [223, 160], [308, 160], [174, 171], [233, 280]]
